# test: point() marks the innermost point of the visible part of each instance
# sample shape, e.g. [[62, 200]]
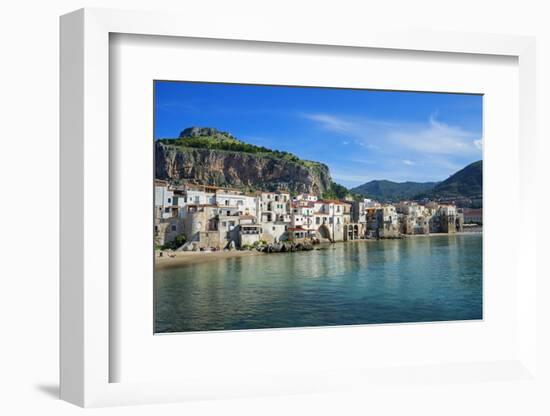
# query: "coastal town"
[[207, 218]]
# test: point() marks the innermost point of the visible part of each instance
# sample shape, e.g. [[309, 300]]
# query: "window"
[[226, 202], [317, 220], [169, 200], [174, 228], [224, 223], [167, 210]]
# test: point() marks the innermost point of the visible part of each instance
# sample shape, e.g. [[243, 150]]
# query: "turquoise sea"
[[420, 279]]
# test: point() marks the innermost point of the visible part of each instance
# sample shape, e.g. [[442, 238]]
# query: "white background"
[[137, 60], [29, 174]]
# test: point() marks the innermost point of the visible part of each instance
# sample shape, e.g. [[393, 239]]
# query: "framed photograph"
[[282, 213], [378, 171]]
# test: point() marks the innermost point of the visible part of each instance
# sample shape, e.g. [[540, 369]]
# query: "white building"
[[448, 210], [245, 204], [274, 206], [274, 231], [163, 202], [200, 195], [302, 214], [329, 219], [371, 203], [306, 197]]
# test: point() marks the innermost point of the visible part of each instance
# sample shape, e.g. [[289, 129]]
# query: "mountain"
[[387, 190], [204, 155], [467, 182]]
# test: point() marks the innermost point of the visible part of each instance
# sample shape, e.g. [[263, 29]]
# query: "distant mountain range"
[[467, 182], [388, 190]]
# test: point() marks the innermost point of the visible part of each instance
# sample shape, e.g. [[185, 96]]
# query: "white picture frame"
[[86, 355]]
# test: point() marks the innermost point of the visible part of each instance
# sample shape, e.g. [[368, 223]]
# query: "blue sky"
[[360, 134]]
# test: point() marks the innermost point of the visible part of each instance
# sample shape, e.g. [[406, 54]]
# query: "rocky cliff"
[[184, 160]]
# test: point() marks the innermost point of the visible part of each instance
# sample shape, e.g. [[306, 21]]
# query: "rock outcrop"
[[259, 171]]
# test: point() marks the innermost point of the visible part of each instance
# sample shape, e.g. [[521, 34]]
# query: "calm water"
[[413, 280]]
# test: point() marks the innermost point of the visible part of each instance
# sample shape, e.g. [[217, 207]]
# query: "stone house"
[[329, 219], [248, 231], [275, 231], [201, 226], [388, 222], [168, 229], [450, 220]]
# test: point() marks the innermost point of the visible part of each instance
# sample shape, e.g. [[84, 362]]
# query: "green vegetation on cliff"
[[336, 191], [210, 138]]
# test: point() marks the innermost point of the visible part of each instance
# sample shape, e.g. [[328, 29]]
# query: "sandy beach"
[[182, 258]]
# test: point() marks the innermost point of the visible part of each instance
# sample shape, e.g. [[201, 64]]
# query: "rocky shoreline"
[[171, 258], [283, 247]]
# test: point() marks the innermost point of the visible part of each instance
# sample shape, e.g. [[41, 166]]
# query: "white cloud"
[[428, 150], [429, 138], [434, 138], [333, 123], [478, 144]]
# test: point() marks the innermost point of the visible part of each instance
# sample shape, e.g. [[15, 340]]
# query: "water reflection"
[[417, 279]]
